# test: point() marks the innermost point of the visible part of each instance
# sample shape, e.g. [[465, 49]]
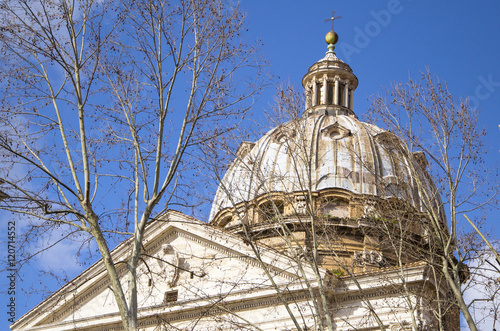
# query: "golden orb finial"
[[331, 38]]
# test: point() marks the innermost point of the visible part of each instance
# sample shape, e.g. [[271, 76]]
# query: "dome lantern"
[[330, 83]]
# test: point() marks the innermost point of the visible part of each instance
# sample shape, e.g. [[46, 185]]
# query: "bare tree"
[[101, 104], [428, 119]]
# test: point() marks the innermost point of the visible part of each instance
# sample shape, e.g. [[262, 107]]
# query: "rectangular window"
[[271, 210], [318, 94], [341, 94], [170, 296], [331, 88]]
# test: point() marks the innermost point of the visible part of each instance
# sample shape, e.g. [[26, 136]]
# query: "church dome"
[[328, 153], [318, 153]]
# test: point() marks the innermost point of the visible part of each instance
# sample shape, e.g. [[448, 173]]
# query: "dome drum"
[[340, 222], [279, 204], [345, 207]]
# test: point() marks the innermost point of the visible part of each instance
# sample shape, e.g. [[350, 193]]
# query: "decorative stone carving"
[[283, 135], [368, 257], [308, 93], [369, 208], [169, 262], [244, 149], [300, 205], [335, 131], [404, 326]]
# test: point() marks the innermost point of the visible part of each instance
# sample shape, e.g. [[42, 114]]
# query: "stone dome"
[[327, 153], [319, 153]]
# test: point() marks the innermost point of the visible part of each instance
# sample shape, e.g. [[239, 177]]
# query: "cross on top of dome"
[[333, 18], [332, 37]]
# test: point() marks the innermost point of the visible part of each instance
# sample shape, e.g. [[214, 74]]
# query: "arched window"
[[335, 207], [271, 210], [225, 221]]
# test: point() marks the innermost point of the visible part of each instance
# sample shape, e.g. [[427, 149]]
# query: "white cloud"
[[63, 256], [484, 288]]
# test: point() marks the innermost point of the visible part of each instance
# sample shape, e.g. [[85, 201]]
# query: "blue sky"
[[383, 42], [386, 42]]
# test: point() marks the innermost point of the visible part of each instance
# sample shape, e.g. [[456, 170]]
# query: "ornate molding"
[[282, 134], [369, 257], [206, 310], [335, 131], [300, 205], [244, 148], [244, 258]]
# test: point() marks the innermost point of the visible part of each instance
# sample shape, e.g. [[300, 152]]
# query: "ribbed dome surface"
[[320, 152]]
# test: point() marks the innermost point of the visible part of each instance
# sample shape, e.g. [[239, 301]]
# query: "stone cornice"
[[374, 285], [182, 310]]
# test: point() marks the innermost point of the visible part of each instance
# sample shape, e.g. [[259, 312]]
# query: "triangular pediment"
[[185, 263], [335, 131]]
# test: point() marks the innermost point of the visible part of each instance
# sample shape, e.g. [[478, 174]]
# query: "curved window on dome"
[[335, 208], [225, 221], [271, 210]]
